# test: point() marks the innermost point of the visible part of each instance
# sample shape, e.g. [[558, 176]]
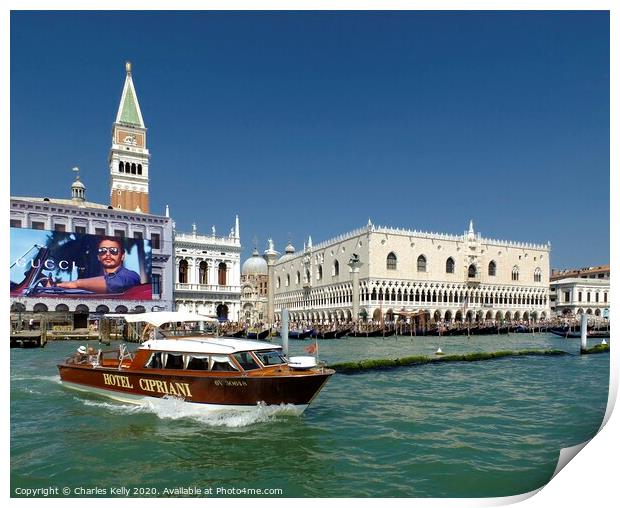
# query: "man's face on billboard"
[[110, 255]]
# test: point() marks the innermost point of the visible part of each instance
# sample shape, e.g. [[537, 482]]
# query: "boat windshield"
[[246, 360], [271, 357]]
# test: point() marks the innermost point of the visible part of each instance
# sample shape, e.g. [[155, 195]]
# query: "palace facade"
[[376, 273], [207, 271]]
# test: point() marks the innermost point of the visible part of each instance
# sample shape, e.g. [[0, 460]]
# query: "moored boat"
[[216, 372]]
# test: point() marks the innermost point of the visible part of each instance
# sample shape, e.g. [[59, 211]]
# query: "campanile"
[[129, 157]]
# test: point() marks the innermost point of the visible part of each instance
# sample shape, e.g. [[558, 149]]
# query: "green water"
[[491, 428]]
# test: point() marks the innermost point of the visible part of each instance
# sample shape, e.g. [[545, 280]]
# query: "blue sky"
[[310, 123]]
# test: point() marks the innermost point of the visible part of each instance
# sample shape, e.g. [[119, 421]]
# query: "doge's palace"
[[397, 271]]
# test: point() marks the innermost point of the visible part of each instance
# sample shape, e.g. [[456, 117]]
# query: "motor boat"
[[178, 358]]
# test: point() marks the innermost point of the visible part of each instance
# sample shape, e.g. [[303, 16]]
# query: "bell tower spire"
[[129, 156]]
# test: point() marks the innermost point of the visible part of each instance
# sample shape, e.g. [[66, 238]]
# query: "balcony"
[[206, 288]]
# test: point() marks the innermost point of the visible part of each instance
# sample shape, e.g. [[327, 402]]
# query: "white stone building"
[[207, 273], [449, 277], [84, 217], [579, 291]]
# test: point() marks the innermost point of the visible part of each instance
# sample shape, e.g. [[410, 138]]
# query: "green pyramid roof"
[[129, 113]]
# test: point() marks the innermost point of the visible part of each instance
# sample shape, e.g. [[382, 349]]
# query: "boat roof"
[[214, 345], [159, 318]]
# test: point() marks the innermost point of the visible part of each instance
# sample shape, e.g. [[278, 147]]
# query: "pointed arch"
[[492, 269], [450, 265], [391, 261], [421, 263]]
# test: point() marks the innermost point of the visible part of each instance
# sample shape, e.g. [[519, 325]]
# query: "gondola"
[[258, 335]]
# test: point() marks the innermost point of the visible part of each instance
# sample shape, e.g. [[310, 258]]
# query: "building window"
[[138, 235], [336, 270], [515, 273], [391, 261], [566, 296], [119, 233], [139, 169], [121, 167], [80, 230], [596, 297], [100, 231], [183, 271], [537, 275], [60, 227], [221, 274], [449, 265], [471, 271], [307, 280], [156, 284], [278, 283], [319, 273], [288, 280], [155, 240], [16, 223], [579, 296], [492, 269], [588, 296], [421, 264], [297, 278], [203, 273], [38, 225]]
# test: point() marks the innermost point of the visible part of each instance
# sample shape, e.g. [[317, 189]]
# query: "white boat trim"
[[214, 345]]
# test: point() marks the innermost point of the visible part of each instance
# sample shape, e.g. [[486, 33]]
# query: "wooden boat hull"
[[299, 335], [222, 390]]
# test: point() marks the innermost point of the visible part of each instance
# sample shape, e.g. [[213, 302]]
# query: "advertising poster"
[[60, 264]]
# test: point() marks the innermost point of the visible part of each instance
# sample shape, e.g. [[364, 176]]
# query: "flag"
[[311, 349]]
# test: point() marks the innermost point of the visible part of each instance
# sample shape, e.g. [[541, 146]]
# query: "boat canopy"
[[217, 345], [159, 318]]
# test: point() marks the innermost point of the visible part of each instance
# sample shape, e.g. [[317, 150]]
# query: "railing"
[[207, 239], [214, 288]]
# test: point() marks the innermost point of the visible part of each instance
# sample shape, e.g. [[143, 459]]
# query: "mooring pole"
[[584, 331], [284, 331]]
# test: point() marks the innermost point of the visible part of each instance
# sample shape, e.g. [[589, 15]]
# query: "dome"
[[288, 252], [256, 265]]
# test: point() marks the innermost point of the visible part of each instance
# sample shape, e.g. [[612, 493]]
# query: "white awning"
[[159, 318]]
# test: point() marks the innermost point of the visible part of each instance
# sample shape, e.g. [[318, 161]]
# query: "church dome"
[[256, 265], [288, 252]]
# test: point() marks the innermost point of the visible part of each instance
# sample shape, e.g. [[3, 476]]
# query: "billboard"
[[71, 265]]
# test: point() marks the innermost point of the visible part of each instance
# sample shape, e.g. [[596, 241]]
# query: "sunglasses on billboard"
[[104, 250]]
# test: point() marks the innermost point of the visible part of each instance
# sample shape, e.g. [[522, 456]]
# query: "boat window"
[[154, 361], [222, 363], [198, 363], [246, 361], [269, 357], [174, 361]]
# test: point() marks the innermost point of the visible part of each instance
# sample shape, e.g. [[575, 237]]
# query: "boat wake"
[[173, 408]]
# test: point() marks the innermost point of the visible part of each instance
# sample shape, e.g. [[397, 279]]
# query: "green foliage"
[[599, 348]]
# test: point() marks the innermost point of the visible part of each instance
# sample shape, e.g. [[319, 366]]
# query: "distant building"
[[400, 271], [254, 288], [580, 290], [126, 216], [207, 273]]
